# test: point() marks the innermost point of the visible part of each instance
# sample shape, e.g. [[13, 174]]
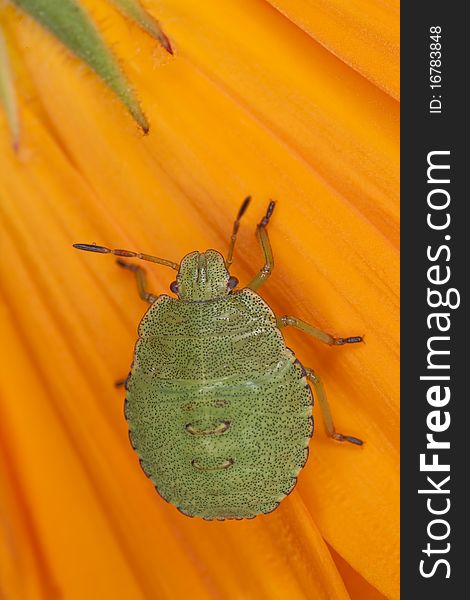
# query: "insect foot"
[[339, 437], [350, 340]]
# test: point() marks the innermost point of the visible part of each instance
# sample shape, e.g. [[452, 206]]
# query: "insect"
[[219, 409]]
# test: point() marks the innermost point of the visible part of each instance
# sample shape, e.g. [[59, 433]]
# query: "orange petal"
[[8, 103], [357, 586], [371, 43], [94, 178]]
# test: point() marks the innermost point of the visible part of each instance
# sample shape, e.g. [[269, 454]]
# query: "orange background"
[[261, 99]]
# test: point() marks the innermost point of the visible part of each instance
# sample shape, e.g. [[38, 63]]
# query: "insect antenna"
[[236, 225], [127, 253]]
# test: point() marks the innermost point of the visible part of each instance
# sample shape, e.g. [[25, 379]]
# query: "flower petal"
[[7, 92], [341, 125], [371, 44], [358, 588]]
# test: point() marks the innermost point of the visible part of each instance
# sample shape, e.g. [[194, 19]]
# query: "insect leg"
[[326, 411], [140, 276], [287, 321], [236, 225], [127, 254], [262, 235]]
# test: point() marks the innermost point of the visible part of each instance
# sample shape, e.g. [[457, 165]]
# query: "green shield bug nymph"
[[219, 409]]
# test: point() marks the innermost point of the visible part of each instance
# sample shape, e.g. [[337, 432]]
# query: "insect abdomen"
[[221, 430]]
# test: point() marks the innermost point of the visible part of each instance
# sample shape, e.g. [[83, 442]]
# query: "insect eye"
[[174, 287], [232, 282]]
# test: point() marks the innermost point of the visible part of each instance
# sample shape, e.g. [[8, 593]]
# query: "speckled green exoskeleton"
[[219, 409]]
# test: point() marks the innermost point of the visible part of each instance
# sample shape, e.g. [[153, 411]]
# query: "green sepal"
[[135, 11], [67, 20]]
